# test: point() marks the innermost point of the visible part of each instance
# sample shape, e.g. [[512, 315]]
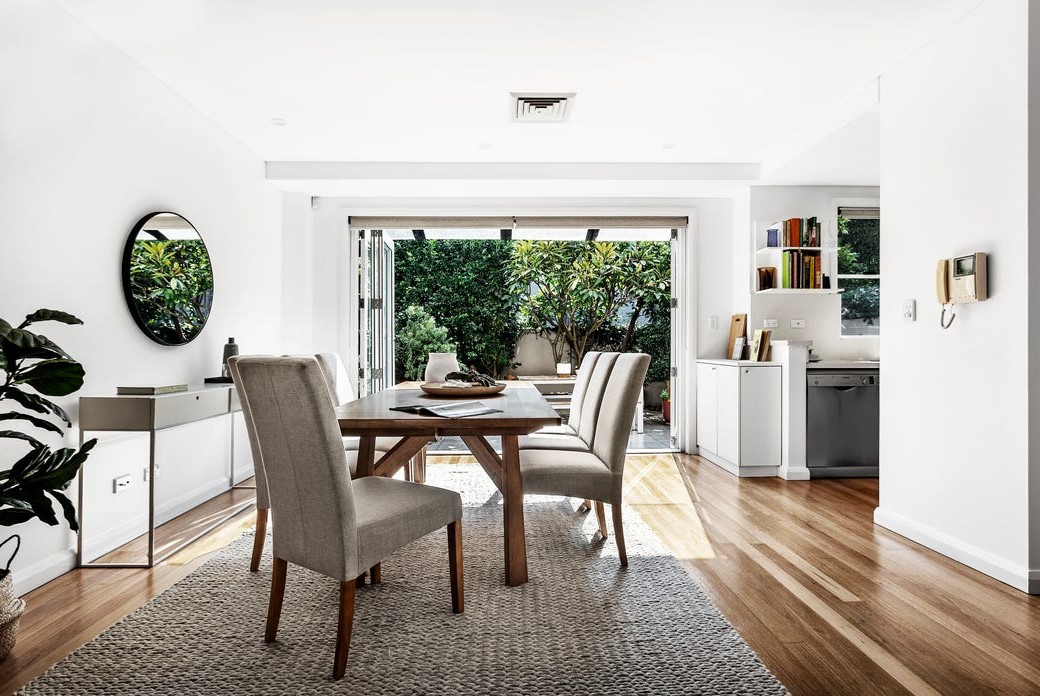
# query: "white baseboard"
[[169, 509], [741, 471], [1019, 577], [44, 571]]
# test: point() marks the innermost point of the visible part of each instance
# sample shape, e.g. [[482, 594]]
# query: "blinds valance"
[[501, 223]]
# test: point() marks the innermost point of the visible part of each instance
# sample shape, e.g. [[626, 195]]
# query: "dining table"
[[519, 410]]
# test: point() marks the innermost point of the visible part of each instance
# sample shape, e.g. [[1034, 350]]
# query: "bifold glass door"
[[375, 312]]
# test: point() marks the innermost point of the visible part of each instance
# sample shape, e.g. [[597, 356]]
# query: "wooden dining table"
[[521, 410]]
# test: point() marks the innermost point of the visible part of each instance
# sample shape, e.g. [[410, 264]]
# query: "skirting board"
[[27, 579], [741, 471], [1019, 577]]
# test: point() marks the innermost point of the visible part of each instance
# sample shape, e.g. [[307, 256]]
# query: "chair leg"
[[377, 574], [455, 564], [274, 608], [346, 624], [586, 506], [601, 516], [259, 539], [619, 533], [409, 470]]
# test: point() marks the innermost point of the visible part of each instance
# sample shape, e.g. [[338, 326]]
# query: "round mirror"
[[167, 278]]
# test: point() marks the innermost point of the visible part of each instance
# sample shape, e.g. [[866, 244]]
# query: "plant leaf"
[[68, 509], [38, 422], [53, 377], [50, 315], [10, 516], [19, 344], [34, 403], [14, 434], [41, 506]]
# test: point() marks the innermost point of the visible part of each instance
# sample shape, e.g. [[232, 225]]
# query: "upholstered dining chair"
[[595, 474], [581, 387], [326, 522], [263, 504]]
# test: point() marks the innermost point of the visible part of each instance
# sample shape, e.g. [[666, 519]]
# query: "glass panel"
[[859, 246], [860, 306]]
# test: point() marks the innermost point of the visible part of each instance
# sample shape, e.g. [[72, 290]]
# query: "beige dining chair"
[[326, 522], [595, 474], [263, 504], [581, 387]]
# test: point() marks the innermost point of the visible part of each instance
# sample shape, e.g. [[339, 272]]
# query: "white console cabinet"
[[739, 415]]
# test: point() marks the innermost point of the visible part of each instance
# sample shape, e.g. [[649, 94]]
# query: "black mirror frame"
[[131, 303]]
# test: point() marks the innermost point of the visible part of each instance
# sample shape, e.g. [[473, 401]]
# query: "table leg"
[[513, 512], [366, 456]]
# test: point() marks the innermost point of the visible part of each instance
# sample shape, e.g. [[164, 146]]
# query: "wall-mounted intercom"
[[959, 280]]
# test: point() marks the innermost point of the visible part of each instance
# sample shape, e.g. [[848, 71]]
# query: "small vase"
[[439, 365], [563, 369], [230, 348]]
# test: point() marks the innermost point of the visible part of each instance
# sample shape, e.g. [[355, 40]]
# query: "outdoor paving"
[[655, 436]]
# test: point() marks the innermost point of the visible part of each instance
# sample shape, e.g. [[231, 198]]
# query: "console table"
[[151, 414]]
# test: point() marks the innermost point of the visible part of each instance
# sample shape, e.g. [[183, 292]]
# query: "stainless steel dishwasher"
[[842, 430]]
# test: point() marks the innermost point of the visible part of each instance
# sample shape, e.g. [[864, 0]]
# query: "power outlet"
[[770, 323], [121, 484], [798, 323]]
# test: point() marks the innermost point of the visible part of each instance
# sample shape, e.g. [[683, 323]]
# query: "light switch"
[[770, 323], [910, 310], [713, 323]]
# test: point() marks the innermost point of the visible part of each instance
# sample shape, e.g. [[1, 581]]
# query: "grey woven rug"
[[582, 625]]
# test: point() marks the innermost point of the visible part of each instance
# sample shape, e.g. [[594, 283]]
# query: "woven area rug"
[[582, 625]]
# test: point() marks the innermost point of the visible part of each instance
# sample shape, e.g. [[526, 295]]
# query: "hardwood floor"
[[831, 603]]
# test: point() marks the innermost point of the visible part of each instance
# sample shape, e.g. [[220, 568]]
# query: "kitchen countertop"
[[844, 365]]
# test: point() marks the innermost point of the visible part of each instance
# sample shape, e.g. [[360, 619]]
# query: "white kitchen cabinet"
[[739, 416]]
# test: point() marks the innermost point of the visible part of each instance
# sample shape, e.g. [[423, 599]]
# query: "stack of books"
[[152, 390]]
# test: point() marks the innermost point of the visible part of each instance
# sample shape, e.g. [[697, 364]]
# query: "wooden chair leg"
[[274, 607], [586, 506], [455, 564], [259, 539], [377, 574], [619, 532], [601, 516], [409, 470], [346, 624]]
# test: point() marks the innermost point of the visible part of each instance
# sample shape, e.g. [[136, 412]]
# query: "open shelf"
[[826, 250]]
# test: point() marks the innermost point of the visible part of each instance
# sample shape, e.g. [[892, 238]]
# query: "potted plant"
[[666, 405], [35, 367]]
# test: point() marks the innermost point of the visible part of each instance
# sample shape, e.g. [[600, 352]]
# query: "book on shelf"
[[151, 390], [773, 237], [459, 409], [796, 232]]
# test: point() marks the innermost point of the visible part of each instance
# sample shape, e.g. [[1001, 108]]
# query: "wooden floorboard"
[[831, 603]]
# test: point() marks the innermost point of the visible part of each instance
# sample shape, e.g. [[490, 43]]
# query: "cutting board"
[[737, 328]]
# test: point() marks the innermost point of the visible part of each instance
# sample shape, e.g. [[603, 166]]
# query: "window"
[[859, 270]]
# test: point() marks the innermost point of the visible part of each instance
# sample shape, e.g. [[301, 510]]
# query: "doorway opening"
[[522, 299]]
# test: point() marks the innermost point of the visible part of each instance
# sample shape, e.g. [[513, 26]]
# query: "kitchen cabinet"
[[739, 415]]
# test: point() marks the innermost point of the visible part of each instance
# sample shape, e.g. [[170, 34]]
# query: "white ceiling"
[[708, 81]]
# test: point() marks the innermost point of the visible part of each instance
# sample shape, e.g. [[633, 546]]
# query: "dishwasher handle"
[[842, 381]]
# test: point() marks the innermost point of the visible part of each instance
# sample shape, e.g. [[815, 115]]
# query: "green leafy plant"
[[36, 368], [665, 396], [418, 335], [172, 285], [464, 285]]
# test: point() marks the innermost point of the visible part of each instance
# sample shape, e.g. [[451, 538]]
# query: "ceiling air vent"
[[546, 107]]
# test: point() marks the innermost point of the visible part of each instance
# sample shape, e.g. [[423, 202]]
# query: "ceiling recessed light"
[[279, 122], [668, 146]]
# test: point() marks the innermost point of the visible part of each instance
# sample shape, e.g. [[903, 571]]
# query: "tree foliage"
[[172, 284], [577, 294], [31, 361], [464, 285], [418, 335], [859, 253]]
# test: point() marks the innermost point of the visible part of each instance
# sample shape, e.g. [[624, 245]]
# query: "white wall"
[[822, 313], [90, 142], [955, 416]]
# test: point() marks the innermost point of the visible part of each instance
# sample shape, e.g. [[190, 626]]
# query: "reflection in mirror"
[[167, 278]]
